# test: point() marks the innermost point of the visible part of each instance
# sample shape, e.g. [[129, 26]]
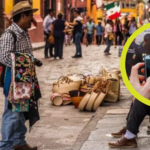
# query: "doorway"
[[46, 6]]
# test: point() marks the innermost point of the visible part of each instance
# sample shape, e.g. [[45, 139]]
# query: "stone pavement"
[[66, 128]]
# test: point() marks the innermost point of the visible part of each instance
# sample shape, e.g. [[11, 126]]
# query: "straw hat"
[[22, 7]]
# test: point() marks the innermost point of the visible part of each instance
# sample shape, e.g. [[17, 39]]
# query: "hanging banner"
[[99, 3]]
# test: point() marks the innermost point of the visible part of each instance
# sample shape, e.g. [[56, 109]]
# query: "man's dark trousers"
[[136, 116], [47, 46]]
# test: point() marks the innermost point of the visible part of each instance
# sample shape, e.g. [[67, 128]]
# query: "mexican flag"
[[113, 10]]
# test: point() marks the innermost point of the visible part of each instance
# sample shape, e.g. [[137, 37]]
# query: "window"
[[123, 5], [127, 5], [132, 5]]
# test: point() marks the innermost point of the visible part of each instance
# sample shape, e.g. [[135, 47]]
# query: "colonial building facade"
[[36, 31]]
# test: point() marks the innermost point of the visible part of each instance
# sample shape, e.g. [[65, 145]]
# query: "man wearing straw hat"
[[13, 127]]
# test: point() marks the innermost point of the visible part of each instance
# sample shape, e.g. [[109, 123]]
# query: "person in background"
[[99, 33], [78, 23], [132, 26], [47, 27], [126, 29], [114, 32], [83, 32], [58, 30], [119, 30], [68, 35], [109, 37], [90, 31], [93, 21]]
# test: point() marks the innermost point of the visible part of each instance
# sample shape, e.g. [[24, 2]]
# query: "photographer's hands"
[[135, 78]]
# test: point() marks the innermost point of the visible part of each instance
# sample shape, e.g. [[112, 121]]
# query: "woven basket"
[[76, 97]]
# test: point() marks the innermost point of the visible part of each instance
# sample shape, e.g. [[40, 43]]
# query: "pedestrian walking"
[[126, 29], [58, 30], [90, 32], [16, 38], [114, 33], [93, 21], [109, 36], [78, 23], [99, 33], [47, 31], [119, 31]]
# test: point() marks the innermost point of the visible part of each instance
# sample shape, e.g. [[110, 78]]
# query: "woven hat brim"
[[33, 10]]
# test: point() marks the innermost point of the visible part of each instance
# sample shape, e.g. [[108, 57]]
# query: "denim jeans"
[[89, 38], [98, 39], [109, 43], [78, 43], [13, 129]]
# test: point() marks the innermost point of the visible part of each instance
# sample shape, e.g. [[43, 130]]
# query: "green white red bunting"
[[99, 3], [113, 10]]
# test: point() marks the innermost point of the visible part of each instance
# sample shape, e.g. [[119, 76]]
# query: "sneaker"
[[120, 133], [109, 53], [123, 143], [77, 56]]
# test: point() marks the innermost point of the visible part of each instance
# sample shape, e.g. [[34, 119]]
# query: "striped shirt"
[[23, 44]]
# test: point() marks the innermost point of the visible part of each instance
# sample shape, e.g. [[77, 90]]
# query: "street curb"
[[38, 48]]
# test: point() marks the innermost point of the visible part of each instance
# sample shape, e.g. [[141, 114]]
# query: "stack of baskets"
[[86, 92]]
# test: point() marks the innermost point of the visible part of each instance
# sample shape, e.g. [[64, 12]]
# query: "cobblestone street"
[[66, 128]]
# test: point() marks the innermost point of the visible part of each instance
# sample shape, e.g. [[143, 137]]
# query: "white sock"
[[129, 135]]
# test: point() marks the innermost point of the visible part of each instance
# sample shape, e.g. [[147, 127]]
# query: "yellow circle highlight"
[[123, 67]]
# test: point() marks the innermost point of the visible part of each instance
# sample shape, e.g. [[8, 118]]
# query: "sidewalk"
[[66, 128], [113, 120], [37, 46]]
